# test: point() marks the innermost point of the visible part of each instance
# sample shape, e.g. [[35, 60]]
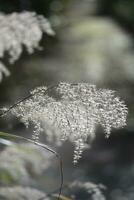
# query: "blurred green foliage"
[[46, 7], [5, 177], [123, 10]]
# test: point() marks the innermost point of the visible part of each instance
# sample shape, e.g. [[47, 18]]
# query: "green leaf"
[[13, 136], [4, 134], [8, 142], [61, 197]]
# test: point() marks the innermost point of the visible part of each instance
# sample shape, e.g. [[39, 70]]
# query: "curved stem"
[[44, 147]]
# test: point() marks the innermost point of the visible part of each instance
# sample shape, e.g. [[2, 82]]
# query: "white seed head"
[[74, 115], [18, 30]]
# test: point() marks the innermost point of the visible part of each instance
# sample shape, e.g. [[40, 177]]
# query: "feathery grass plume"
[[18, 30], [73, 114]]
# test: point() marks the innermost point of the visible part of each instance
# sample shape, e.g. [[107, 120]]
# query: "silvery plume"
[[71, 111], [18, 30]]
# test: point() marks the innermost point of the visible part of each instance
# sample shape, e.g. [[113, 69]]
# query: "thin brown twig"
[[60, 162], [28, 97], [24, 99], [61, 186]]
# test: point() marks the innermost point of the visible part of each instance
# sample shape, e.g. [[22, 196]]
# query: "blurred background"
[[94, 43]]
